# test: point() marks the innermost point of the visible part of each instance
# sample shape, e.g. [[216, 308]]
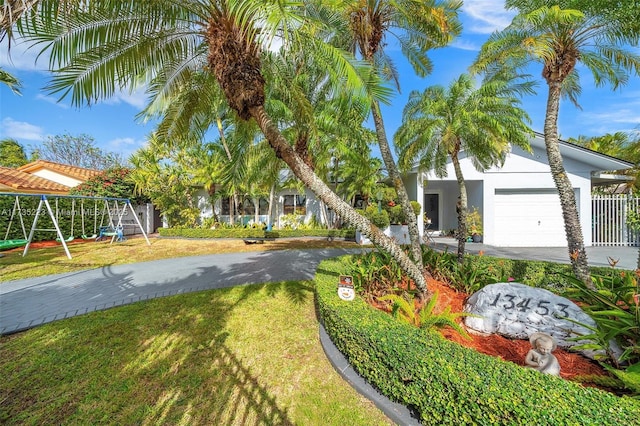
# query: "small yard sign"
[[345, 288]]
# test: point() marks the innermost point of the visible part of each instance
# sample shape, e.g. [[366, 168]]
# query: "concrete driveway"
[[627, 257]]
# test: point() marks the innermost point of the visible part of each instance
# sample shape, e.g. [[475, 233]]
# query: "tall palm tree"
[[106, 45], [418, 25], [462, 120], [559, 39]]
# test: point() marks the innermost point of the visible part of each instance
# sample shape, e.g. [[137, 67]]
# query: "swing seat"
[[9, 244], [67, 240], [89, 237], [109, 231]]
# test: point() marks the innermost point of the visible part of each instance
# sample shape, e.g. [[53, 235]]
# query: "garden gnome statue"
[[540, 356]]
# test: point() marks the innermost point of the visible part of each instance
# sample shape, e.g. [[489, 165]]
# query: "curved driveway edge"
[[34, 301], [396, 412]]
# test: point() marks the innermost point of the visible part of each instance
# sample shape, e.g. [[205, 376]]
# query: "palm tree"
[[479, 123], [360, 175], [418, 25], [106, 45], [560, 39]]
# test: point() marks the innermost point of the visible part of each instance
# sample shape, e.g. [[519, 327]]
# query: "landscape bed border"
[[445, 383]]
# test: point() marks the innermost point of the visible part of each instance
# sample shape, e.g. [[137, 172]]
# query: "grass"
[[240, 356], [88, 255]]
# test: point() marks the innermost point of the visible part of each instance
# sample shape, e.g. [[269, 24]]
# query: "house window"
[[264, 206], [225, 204], [295, 204], [246, 206]]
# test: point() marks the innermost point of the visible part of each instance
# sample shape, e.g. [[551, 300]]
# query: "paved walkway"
[[34, 301], [627, 257]]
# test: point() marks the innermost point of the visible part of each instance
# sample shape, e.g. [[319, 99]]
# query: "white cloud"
[[120, 143], [137, 99], [465, 45], [21, 130], [51, 100], [619, 116], [486, 16], [21, 57], [622, 116], [124, 146]]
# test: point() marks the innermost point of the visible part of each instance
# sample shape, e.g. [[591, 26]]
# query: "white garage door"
[[531, 218]]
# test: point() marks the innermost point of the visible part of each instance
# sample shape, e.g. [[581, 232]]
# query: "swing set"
[[113, 209]]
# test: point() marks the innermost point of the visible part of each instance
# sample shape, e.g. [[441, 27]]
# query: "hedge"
[[29, 205], [535, 273], [255, 233], [445, 383]]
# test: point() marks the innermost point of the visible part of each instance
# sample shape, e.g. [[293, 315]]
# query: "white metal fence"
[[609, 220]]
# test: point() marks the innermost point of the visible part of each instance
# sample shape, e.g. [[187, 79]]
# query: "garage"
[[528, 218]]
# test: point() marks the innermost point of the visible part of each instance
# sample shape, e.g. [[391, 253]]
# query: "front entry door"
[[431, 209]]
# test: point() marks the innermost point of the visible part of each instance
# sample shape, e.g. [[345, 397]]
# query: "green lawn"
[[241, 356]]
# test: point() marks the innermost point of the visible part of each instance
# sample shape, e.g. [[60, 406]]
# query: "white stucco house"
[[286, 202], [518, 201]]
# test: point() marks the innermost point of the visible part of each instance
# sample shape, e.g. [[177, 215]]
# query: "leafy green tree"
[[78, 150], [159, 173], [107, 45], [418, 27], [560, 35], [12, 153], [440, 123], [620, 145], [114, 182]]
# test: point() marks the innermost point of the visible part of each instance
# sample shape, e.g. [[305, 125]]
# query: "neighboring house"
[[49, 178], [64, 174], [43, 177], [12, 180], [518, 202]]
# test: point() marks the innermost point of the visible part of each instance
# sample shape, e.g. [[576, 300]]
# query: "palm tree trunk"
[[394, 174], [303, 172], [272, 196], [256, 209], [575, 241], [461, 208]]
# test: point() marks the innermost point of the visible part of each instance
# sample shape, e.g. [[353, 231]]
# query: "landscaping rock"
[[517, 311]]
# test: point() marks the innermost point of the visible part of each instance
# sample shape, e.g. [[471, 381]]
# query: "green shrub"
[[379, 217], [234, 232], [446, 383], [487, 270], [614, 308]]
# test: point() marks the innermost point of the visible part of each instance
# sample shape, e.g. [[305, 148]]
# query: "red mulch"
[[571, 364]]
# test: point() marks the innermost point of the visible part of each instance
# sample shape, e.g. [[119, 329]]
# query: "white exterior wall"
[[57, 177], [521, 171], [203, 202], [313, 206]]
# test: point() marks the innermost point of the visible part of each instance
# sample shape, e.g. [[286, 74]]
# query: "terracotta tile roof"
[[79, 173], [20, 181]]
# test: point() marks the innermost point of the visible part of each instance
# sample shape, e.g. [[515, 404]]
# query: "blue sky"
[[32, 117]]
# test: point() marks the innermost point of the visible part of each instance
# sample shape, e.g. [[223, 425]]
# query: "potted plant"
[[474, 225]]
